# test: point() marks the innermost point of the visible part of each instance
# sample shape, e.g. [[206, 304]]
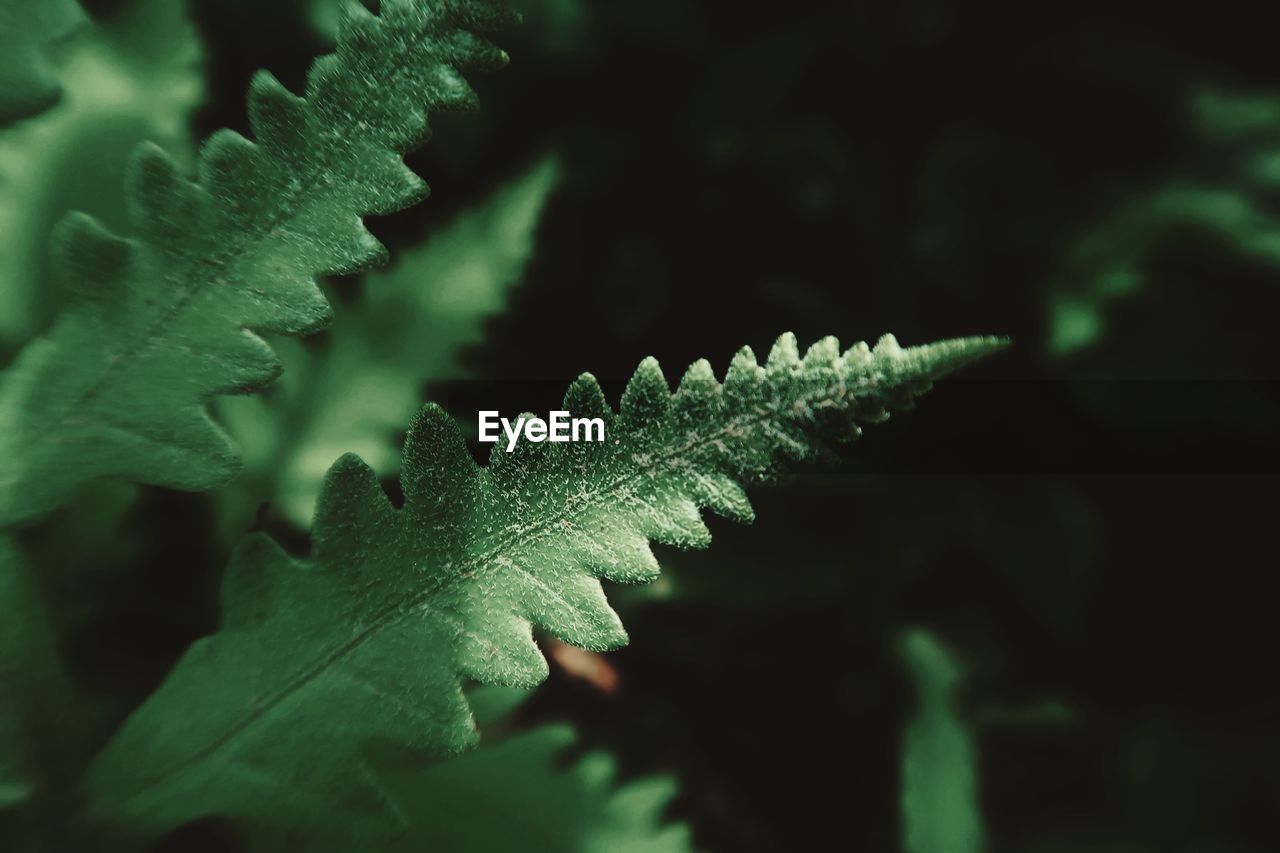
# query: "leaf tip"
[[647, 394]]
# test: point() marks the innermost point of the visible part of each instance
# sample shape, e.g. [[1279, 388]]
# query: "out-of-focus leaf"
[[524, 791], [28, 83], [518, 795], [324, 16], [558, 26], [356, 392], [1230, 198], [132, 78], [940, 812], [35, 694], [1106, 265]]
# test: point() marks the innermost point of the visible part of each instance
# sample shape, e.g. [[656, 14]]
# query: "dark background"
[[1093, 530]]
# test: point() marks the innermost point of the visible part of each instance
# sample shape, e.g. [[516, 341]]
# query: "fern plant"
[[27, 31], [518, 792], [1225, 191], [355, 392], [279, 718], [133, 77], [939, 799], [170, 318], [369, 638]]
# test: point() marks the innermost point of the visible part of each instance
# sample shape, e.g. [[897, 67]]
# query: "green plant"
[[453, 581], [27, 83], [321, 708], [171, 318], [1226, 191], [132, 78], [355, 392], [939, 758], [518, 793]]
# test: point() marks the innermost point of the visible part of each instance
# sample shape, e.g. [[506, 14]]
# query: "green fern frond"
[[27, 29], [516, 792], [170, 319], [1229, 197], [369, 638], [512, 796], [357, 391], [132, 78], [940, 812]]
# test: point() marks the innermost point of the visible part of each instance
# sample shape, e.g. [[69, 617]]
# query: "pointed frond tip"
[[945, 357], [171, 316], [372, 636]]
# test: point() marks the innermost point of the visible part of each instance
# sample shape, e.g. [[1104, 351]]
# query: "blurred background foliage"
[[1036, 617]]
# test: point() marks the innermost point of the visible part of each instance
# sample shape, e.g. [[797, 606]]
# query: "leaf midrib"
[[291, 203], [392, 613]]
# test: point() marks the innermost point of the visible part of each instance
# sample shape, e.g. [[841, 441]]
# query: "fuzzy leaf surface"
[[170, 318], [368, 639], [356, 391]]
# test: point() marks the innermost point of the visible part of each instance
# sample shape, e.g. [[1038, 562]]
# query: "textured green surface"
[[358, 390], [168, 319], [27, 29], [1088, 525], [369, 638]]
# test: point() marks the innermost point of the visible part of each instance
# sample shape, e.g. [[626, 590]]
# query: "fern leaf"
[[27, 82], [1230, 197], [940, 811], [368, 639], [132, 78], [358, 390], [512, 796], [169, 319], [516, 792]]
